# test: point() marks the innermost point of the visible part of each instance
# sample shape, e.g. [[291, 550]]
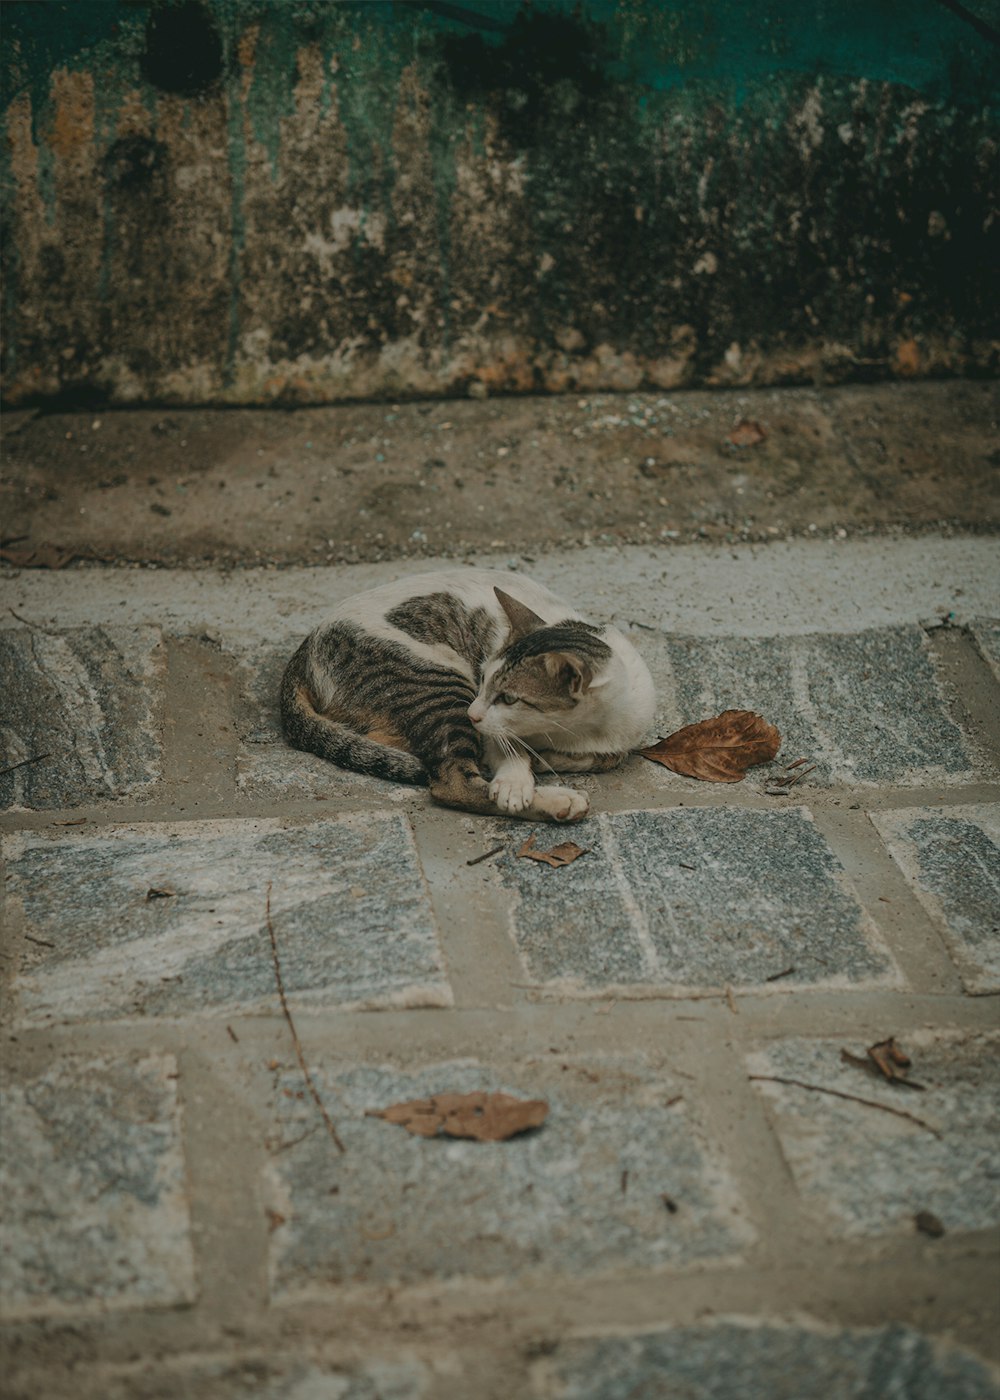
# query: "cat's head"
[[549, 676]]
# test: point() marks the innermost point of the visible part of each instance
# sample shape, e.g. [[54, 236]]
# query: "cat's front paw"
[[561, 804], [513, 794]]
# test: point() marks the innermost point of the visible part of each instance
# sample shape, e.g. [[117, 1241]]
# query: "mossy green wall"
[[240, 201]]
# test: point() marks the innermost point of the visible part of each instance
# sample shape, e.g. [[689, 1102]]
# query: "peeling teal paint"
[[272, 93], [237, 163]]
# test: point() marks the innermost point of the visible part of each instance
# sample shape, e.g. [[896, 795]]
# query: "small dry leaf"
[[718, 750], [892, 1062], [747, 433], [162, 893], [485, 1117], [563, 854], [887, 1059]]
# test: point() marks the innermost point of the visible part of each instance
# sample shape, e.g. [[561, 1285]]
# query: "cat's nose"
[[475, 713]]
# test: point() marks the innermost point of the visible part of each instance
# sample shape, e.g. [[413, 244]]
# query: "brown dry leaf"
[[159, 893], [892, 1062], [885, 1059], [747, 433], [485, 1117], [41, 556], [718, 750], [563, 854]]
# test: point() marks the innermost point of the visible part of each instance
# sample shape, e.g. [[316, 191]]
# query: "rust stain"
[[908, 358], [246, 47], [23, 151], [72, 128], [133, 118]]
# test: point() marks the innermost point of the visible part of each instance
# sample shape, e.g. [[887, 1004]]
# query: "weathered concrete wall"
[[242, 201]]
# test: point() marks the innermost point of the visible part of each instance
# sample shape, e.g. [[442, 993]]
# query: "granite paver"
[[744, 1360], [869, 1172], [94, 1193], [251, 1376], [89, 700], [864, 707], [545, 1202], [986, 633], [349, 904], [694, 897], [951, 857]]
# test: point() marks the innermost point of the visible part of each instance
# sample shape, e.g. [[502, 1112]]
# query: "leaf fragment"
[[747, 433], [563, 854], [718, 750], [885, 1059], [161, 892], [485, 1117]]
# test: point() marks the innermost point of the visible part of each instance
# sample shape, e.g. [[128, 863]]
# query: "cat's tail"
[[305, 728]]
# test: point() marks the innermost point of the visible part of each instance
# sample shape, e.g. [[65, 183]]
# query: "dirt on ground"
[[375, 481]]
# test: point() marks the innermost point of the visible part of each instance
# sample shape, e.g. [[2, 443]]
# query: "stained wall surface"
[[244, 201]]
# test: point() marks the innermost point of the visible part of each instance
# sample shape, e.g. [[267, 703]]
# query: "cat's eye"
[[505, 698]]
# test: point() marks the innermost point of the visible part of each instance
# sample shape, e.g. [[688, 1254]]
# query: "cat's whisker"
[[535, 754], [564, 727]]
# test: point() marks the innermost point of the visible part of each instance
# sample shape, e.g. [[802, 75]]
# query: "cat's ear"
[[574, 673], [522, 620]]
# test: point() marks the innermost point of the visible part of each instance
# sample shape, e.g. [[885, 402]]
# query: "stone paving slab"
[[986, 634], [257, 1376], [582, 1195], [266, 767], [88, 698], [350, 909], [745, 1360], [693, 898], [870, 1172], [951, 857], [866, 707], [94, 1193]]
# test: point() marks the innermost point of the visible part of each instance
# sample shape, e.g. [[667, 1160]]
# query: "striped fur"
[[410, 682]]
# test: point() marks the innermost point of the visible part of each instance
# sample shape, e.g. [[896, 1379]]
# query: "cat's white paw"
[[513, 794], [561, 804]]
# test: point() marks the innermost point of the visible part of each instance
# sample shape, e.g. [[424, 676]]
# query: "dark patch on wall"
[[183, 52], [135, 163], [549, 64]]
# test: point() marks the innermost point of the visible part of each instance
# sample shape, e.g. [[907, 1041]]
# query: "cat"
[[470, 681]]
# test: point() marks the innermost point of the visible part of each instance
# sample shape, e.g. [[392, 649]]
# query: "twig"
[[35, 758], [731, 1001], [790, 782], [42, 942], [291, 1026], [293, 1142], [37, 626], [854, 1098], [777, 976], [486, 855]]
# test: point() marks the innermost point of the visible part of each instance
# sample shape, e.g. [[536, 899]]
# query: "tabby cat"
[[472, 682]]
